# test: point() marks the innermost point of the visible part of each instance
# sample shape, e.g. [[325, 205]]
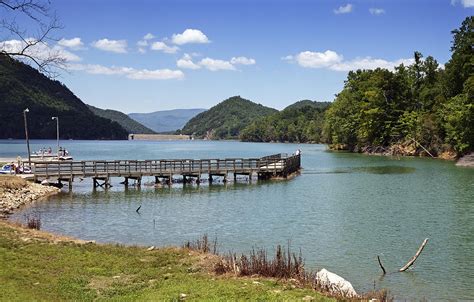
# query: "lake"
[[342, 211]]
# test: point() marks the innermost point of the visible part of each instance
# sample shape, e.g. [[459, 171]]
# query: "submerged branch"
[[413, 259]]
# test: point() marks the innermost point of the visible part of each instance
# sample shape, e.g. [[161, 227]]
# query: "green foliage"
[[122, 119], [458, 115], [422, 102], [226, 119], [21, 87], [301, 122]]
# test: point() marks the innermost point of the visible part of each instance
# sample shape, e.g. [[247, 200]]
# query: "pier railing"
[[277, 164]]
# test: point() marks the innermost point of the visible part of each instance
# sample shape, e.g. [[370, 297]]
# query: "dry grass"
[[283, 265], [202, 245], [33, 222], [12, 182]]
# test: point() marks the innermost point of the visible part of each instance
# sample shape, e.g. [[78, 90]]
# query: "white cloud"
[[42, 51], [187, 62], [468, 3], [74, 43], [161, 46], [215, 65], [117, 46], [159, 74], [376, 11], [345, 9], [242, 60], [333, 61], [190, 36], [131, 73], [465, 3], [318, 59], [369, 63], [148, 36], [142, 43]]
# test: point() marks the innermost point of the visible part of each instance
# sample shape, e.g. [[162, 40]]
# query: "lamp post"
[[26, 135], [57, 130]]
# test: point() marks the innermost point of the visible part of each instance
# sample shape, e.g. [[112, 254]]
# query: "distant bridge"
[[164, 170]]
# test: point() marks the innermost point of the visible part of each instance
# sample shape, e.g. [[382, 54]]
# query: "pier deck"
[[277, 165]]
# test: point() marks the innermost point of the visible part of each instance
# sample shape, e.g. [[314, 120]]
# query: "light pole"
[[57, 130], [26, 135]]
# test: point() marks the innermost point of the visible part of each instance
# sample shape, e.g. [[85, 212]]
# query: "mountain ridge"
[[166, 120], [226, 119], [22, 86], [129, 124]]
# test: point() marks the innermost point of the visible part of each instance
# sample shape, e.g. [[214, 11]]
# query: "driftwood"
[[413, 259], [381, 265], [422, 147]]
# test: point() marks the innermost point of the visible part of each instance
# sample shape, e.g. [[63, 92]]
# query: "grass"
[[11, 182], [43, 267]]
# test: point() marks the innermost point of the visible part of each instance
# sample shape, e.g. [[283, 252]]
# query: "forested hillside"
[[22, 86], [122, 119], [300, 122], [421, 108], [226, 119]]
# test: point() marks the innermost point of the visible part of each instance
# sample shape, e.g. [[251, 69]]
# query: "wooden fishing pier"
[[165, 170]]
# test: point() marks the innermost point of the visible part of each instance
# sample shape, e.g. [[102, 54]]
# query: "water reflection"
[[370, 170]]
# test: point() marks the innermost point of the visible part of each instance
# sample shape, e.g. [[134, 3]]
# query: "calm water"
[[342, 211]]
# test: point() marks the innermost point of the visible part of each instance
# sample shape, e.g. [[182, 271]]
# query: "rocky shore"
[[466, 161], [15, 192]]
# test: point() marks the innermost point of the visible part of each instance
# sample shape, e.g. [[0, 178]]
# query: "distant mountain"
[[306, 103], [124, 120], [226, 119], [166, 120], [22, 86]]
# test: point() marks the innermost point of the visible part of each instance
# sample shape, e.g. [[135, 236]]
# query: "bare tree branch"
[[32, 48]]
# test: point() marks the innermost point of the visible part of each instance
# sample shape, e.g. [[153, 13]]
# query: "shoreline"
[[91, 271], [16, 192], [466, 160]]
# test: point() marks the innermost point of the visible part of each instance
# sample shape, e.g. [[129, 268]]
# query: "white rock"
[[335, 284]]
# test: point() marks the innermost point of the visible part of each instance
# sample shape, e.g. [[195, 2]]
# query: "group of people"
[[48, 151]]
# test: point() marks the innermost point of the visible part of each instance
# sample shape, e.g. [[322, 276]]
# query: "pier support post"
[[106, 184]]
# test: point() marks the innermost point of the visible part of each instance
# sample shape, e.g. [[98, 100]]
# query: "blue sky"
[[198, 53]]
